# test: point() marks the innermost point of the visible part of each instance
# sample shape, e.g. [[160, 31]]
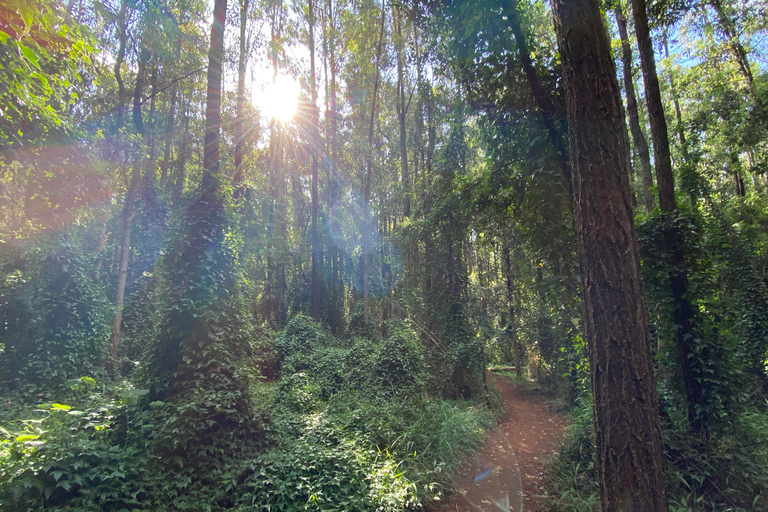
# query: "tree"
[[641, 145], [629, 459], [685, 334]]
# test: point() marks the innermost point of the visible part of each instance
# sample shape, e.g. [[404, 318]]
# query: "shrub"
[[302, 335], [323, 470], [399, 361]]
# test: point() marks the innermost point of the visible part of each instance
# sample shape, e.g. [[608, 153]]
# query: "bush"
[[572, 484], [324, 470], [302, 335], [56, 317], [399, 361]]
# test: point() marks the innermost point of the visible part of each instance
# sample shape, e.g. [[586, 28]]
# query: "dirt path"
[[508, 473]]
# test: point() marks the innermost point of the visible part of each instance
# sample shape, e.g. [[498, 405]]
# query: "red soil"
[[515, 454]]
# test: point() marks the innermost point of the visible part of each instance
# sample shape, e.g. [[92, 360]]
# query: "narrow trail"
[[508, 473]]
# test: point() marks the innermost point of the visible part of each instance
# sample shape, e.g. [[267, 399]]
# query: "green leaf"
[[3, 37], [61, 407], [27, 13], [30, 54], [26, 437], [90, 381]]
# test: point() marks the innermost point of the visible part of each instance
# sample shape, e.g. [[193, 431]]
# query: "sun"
[[278, 99]]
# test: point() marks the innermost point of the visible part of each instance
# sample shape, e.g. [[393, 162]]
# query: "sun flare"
[[278, 99]]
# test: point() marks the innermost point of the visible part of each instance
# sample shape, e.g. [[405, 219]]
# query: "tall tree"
[[401, 110], [129, 205], [629, 458], [683, 314], [242, 61], [198, 283], [369, 162], [641, 145], [317, 256]]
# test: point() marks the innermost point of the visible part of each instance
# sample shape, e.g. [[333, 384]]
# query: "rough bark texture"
[[629, 459], [659, 134], [643, 153]]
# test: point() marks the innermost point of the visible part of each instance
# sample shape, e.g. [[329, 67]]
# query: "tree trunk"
[[511, 331], [401, 114], [369, 165], [122, 37], [629, 457], [740, 53], [211, 159], [646, 172], [678, 110], [169, 137], [538, 92], [683, 315], [315, 135], [127, 215], [239, 124], [662, 160]]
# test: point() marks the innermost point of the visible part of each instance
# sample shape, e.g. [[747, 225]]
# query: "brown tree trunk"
[[728, 26], [678, 110], [629, 457], [683, 315], [211, 159], [646, 172], [169, 137]]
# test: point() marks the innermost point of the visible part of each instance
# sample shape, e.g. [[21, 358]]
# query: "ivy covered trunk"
[[693, 359], [629, 459]]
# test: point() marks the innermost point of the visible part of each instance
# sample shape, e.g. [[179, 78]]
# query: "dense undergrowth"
[[349, 424], [724, 467], [727, 472]]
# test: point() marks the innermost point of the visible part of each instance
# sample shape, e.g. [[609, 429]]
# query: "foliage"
[[43, 52], [572, 482], [56, 315]]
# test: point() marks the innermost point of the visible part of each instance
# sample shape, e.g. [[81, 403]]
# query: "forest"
[[263, 255]]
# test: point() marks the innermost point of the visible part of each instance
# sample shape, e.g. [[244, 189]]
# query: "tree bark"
[[678, 110], [122, 37], [211, 157], [629, 458], [169, 137], [643, 153], [683, 315]]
